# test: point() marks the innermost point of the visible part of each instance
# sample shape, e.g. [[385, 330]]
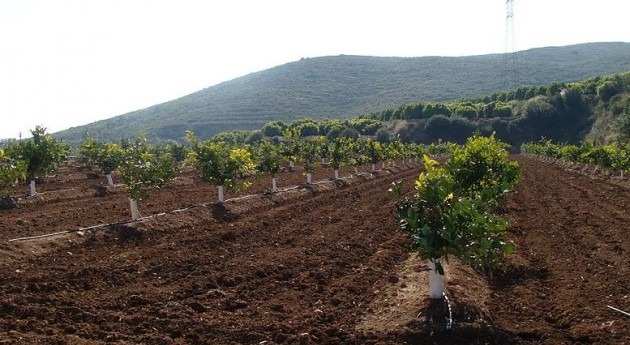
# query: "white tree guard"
[[33, 189], [110, 181], [436, 281], [274, 186], [373, 167], [336, 174], [221, 196], [309, 178], [133, 206]]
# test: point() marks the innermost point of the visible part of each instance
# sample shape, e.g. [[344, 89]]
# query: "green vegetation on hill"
[[349, 86], [597, 109]]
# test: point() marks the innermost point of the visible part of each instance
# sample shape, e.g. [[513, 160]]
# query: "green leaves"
[[307, 153], [482, 167], [340, 151], [268, 157], [221, 164], [11, 172], [40, 153], [144, 166], [449, 213]]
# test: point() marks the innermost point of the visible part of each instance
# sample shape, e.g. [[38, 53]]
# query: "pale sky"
[[67, 63]]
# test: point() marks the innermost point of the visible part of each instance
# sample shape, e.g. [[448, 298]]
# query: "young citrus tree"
[[268, 158], [340, 153], [220, 164], [324, 149], [308, 156], [482, 169], [41, 154], [143, 166], [89, 149], [374, 151], [109, 156], [450, 211], [290, 146]]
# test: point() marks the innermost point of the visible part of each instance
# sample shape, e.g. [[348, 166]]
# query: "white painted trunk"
[[373, 167], [274, 187], [110, 181], [221, 197], [436, 281], [383, 165], [133, 206], [336, 174], [622, 174], [33, 189], [356, 171], [309, 178]]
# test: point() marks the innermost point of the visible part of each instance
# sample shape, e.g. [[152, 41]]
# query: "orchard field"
[[324, 264]]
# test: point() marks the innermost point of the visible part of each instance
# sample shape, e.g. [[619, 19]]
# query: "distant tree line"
[[329, 128], [559, 111]]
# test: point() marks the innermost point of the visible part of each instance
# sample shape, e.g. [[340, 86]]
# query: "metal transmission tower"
[[510, 77]]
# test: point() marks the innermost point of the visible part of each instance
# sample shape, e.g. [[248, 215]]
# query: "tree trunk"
[[274, 187], [309, 178], [110, 181], [336, 174]]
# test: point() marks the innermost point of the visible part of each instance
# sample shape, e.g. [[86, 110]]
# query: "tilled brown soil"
[[324, 264]]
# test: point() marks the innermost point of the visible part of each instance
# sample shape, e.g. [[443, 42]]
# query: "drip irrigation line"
[[619, 310]]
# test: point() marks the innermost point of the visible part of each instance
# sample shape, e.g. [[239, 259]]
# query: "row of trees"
[[228, 166], [607, 157], [464, 109], [329, 128], [451, 210], [604, 87]]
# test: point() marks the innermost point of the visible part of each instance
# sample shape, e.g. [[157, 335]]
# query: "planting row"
[[606, 157], [143, 166]]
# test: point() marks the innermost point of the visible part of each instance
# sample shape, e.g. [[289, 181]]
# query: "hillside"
[[347, 86]]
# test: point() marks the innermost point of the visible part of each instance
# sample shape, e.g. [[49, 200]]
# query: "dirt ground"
[[323, 264]]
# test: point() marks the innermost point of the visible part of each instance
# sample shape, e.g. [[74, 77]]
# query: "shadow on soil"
[[221, 213], [440, 322], [127, 233], [511, 275], [468, 326]]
